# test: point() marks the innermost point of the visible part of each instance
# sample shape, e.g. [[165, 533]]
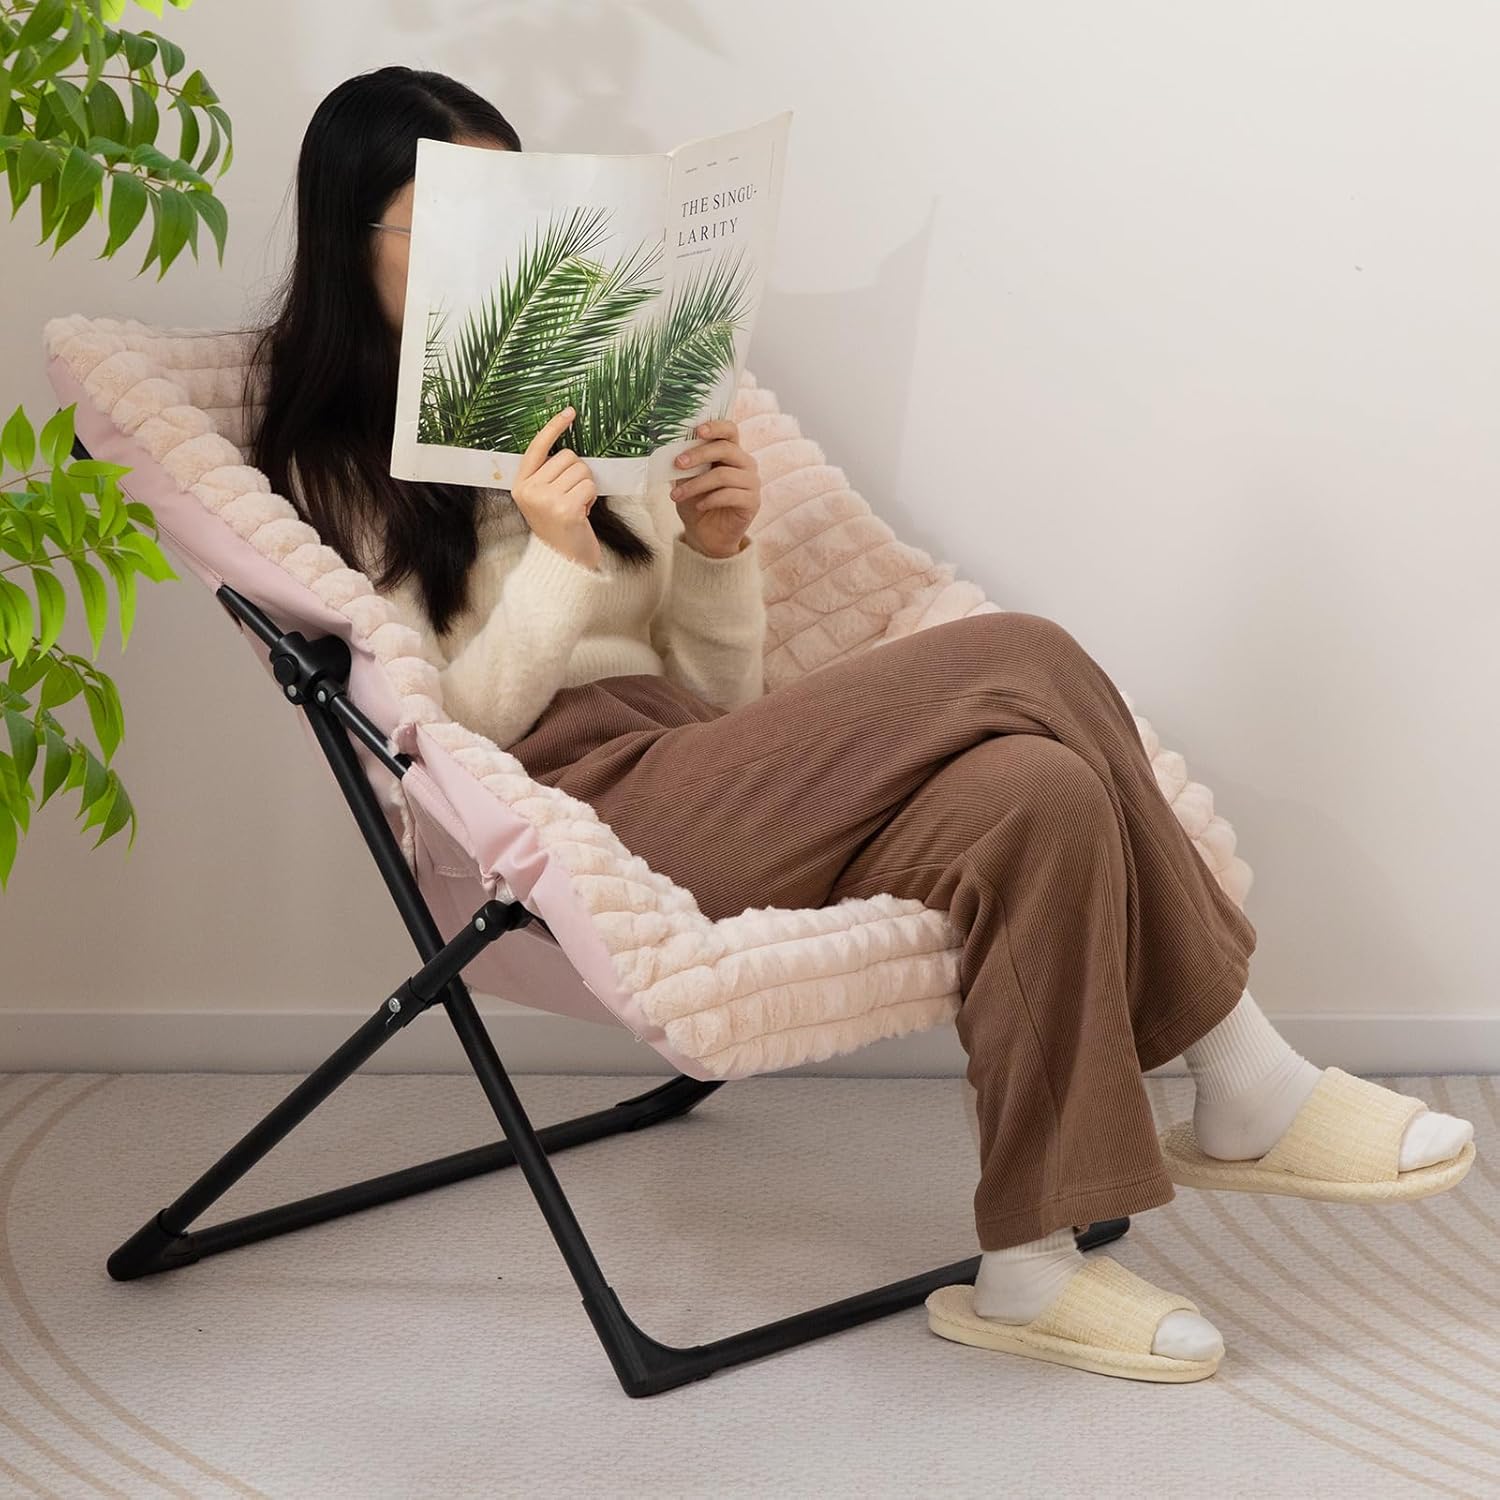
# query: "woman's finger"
[[739, 480], [723, 450], [720, 500], [575, 479], [536, 449], [558, 465]]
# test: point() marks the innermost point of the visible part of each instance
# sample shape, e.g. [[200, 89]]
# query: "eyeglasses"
[[399, 228]]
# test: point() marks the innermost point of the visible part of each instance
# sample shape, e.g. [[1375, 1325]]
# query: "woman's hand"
[[555, 494], [717, 506]]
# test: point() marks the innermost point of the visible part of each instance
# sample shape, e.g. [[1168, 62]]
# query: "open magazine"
[[623, 286]]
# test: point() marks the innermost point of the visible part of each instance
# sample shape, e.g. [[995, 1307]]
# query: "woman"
[[987, 766]]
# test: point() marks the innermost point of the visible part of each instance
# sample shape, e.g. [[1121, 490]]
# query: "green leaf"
[[22, 676], [41, 23], [211, 152], [101, 714], [120, 812], [63, 683], [127, 202], [139, 50], [95, 599], [13, 181], [125, 586], [179, 226], [49, 121], [52, 604], [68, 97], [37, 162], [188, 145], [68, 504], [18, 441], [214, 215], [93, 802], [61, 55], [48, 209], [112, 702], [81, 174], [59, 760], [15, 793], [7, 846], [217, 113], [157, 163], [153, 561], [112, 151], [106, 113], [95, 49], [18, 536], [153, 244], [143, 116], [22, 742], [99, 467], [73, 219], [99, 808], [17, 622], [111, 512], [171, 54], [57, 435]]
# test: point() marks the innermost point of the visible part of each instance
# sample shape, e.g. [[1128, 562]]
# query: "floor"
[[436, 1346]]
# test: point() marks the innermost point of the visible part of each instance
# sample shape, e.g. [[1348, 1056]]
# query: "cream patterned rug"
[[437, 1347]]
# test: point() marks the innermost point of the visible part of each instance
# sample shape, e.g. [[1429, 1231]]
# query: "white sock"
[[1016, 1284], [1250, 1084]]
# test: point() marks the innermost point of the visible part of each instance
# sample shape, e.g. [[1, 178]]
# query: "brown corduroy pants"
[[987, 766]]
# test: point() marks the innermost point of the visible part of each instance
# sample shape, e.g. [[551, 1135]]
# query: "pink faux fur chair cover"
[[764, 990]]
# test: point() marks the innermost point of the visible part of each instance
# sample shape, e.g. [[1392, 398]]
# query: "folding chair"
[[474, 852]]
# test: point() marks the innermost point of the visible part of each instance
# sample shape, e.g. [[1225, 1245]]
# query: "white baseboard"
[[529, 1041]]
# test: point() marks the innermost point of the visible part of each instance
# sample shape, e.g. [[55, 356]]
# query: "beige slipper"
[[1103, 1320], [1343, 1146]]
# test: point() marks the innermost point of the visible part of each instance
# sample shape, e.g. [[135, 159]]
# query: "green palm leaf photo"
[[554, 309], [649, 388], [562, 329]]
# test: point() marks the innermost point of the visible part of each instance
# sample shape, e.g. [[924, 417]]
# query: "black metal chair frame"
[[314, 675]]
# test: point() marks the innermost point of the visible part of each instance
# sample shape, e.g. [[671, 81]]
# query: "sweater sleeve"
[[710, 629], [502, 678]]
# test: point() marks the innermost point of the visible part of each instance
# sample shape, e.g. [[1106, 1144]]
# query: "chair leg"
[[165, 1241], [644, 1365]]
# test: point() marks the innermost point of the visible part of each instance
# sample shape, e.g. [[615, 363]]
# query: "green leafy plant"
[[67, 74], [557, 331]]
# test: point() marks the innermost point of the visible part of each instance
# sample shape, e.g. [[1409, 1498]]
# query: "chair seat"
[[764, 990]]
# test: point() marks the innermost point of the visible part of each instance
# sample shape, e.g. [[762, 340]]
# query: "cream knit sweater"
[[538, 621]]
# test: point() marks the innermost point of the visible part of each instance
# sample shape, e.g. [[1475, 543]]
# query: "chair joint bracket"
[[430, 983]]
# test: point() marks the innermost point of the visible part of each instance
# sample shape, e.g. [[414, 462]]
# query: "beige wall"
[[1176, 323]]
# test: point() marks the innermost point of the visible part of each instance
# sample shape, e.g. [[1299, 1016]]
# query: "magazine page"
[[725, 199], [624, 286], [524, 268]]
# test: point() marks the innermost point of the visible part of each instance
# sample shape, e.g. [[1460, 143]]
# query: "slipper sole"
[[951, 1315], [1189, 1167]]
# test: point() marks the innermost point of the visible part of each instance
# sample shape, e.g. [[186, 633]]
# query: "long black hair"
[[326, 360]]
